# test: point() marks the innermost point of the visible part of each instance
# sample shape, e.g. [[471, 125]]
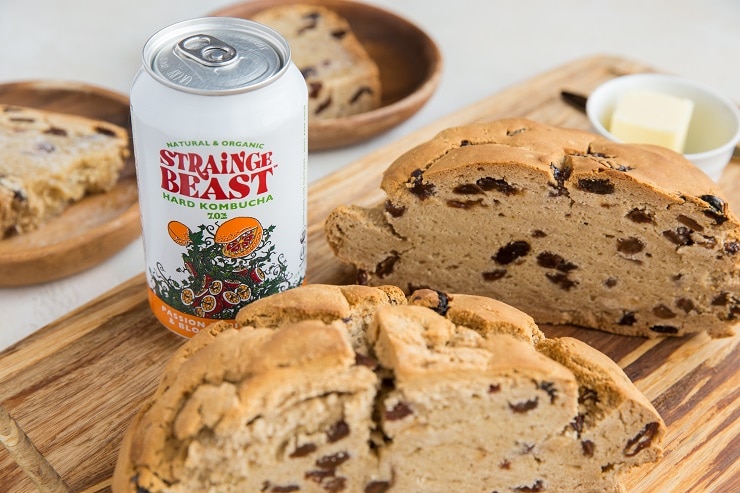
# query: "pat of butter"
[[646, 117]]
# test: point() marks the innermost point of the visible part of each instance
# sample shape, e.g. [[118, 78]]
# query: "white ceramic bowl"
[[715, 124]]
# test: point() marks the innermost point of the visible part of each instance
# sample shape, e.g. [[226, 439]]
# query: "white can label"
[[224, 224]]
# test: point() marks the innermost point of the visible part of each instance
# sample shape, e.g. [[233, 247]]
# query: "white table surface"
[[487, 45]]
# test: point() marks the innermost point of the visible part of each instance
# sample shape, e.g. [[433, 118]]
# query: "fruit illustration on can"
[[239, 236], [179, 233], [226, 266], [257, 275]]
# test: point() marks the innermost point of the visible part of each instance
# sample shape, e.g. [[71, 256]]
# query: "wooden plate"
[[94, 228], [409, 61]]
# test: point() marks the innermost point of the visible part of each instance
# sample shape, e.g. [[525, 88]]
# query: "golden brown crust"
[[316, 301], [484, 315], [519, 141], [595, 370]]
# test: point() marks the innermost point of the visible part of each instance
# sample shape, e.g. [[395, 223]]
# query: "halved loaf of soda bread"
[[563, 224]]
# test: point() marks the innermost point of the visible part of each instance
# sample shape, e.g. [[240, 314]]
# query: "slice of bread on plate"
[[50, 160], [341, 77]]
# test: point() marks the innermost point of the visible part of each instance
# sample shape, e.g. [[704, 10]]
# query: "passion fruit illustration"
[[231, 297], [187, 296], [179, 233], [244, 292], [240, 236], [223, 268], [208, 303], [215, 287], [257, 275]]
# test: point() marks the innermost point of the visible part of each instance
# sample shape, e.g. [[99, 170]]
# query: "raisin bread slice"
[[443, 393], [560, 223], [341, 77], [49, 160]]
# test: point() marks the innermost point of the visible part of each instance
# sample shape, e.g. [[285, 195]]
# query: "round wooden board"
[[409, 61], [90, 230]]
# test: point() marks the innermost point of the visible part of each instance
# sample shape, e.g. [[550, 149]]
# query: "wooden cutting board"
[[74, 385]]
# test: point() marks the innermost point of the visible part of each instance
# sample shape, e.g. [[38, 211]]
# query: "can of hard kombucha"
[[219, 118]]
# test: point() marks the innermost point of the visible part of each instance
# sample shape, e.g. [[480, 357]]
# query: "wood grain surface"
[[74, 385]]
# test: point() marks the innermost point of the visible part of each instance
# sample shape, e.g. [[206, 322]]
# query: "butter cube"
[[647, 117]]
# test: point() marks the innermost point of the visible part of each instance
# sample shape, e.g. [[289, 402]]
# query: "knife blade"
[[578, 101]]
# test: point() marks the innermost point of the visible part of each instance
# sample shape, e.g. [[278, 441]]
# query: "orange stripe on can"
[[179, 322]]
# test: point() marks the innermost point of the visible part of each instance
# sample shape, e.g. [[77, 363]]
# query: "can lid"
[[216, 55]]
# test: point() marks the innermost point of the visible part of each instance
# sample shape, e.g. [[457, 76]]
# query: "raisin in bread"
[[562, 224], [341, 77], [357, 389], [49, 160]]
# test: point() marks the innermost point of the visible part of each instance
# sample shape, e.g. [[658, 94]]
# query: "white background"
[[487, 45]]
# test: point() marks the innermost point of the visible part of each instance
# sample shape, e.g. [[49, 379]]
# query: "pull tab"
[[207, 50]]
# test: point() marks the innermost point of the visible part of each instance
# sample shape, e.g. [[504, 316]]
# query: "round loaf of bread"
[[560, 223], [358, 389]]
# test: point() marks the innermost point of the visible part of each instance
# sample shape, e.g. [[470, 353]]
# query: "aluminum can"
[[219, 119]]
